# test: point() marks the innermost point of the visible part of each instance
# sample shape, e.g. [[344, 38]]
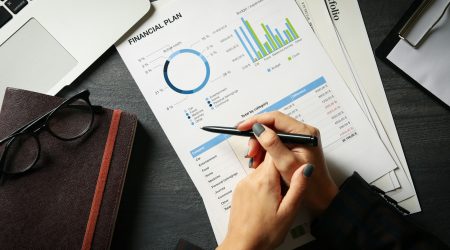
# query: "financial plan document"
[[210, 62]]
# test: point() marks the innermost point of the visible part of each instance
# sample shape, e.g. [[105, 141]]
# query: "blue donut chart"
[[186, 91]]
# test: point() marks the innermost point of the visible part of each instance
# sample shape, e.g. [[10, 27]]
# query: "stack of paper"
[[211, 62], [344, 37]]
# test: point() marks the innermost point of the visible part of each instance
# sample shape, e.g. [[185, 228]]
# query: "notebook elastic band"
[[101, 181]]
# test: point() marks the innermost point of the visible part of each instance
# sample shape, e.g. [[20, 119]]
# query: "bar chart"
[[274, 39]]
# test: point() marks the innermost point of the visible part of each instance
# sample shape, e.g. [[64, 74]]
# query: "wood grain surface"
[[160, 203]]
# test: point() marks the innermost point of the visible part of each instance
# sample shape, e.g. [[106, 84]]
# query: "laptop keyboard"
[[14, 7]]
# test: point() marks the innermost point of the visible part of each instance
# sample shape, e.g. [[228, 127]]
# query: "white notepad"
[[428, 62]]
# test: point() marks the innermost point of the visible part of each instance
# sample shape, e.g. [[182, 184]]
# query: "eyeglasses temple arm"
[[24, 127], [95, 108]]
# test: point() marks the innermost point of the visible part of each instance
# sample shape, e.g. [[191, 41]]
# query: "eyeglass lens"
[[21, 154], [72, 120]]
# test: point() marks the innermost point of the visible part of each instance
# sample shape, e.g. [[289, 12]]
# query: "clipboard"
[[410, 47]]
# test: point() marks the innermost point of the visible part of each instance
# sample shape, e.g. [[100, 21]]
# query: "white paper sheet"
[[348, 18], [358, 46], [197, 40], [326, 33]]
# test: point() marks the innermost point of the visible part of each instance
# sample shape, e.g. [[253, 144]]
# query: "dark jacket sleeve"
[[186, 245], [360, 218]]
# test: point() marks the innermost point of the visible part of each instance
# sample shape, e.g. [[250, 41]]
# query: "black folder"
[[417, 8]]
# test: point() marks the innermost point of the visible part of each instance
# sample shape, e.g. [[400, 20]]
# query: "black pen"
[[284, 137]]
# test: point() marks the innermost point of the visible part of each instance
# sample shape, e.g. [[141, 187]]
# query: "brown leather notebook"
[[53, 206]]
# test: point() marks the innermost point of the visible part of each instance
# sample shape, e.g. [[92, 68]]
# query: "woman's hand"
[[260, 217], [288, 158]]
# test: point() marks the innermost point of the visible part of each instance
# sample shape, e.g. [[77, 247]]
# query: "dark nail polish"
[[308, 170], [250, 163], [258, 129]]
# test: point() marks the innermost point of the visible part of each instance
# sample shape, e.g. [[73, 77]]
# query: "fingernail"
[[250, 163], [258, 129], [308, 170]]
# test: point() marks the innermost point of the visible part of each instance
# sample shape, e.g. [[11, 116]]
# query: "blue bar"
[[286, 34], [273, 37], [279, 35], [276, 106], [245, 46], [292, 32], [254, 38], [248, 41], [267, 48], [271, 44]]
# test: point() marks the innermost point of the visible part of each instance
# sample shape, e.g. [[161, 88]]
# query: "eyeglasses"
[[69, 121]]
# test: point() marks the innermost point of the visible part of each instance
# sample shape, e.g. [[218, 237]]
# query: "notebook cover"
[[49, 207]]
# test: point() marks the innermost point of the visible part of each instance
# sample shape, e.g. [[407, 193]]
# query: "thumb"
[[299, 184]]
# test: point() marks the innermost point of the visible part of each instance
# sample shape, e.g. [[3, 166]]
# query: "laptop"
[[46, 44]]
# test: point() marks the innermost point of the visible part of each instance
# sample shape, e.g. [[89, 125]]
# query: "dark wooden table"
[[160, 203]]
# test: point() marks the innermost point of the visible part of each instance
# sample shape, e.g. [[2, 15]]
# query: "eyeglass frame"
[[33, 132]]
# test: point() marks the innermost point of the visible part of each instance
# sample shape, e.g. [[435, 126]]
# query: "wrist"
[[241, 243], [228, 244]]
